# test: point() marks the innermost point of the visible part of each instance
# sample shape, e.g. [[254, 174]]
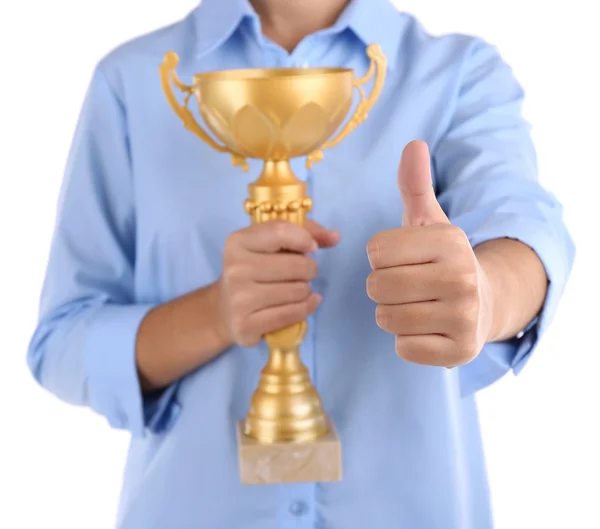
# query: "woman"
[[158, 292]]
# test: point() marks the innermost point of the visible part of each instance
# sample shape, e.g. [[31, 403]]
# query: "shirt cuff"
[[111, 373], [496, 359]]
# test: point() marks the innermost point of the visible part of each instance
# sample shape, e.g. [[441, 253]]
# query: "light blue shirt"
[[145, 209]]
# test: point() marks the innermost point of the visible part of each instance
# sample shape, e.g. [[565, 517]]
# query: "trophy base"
[[289, 462]]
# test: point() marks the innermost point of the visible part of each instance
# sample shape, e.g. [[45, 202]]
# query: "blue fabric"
[[144, 212]]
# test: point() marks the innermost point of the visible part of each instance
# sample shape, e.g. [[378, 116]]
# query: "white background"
[[61, 467]]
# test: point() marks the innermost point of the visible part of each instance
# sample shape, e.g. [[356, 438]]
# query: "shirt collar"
[[375, 22], [372, 21], [217, 20]]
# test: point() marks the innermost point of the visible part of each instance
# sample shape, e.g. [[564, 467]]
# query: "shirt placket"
[[297, 500]]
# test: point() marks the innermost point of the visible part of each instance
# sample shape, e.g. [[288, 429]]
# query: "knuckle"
[[296, 267], [305, 308], [465, 351], [228, 275], [241, 340], [453, 237], [300, 290], [281, 231], [238, 325], [308, 269], [248, 341], [291, 314], [408, 352], [238, 301], [456, 236], [453, 285], [461, 281], [469, 283], [466, 315], [233, 273], [234, 240], [443, 233]]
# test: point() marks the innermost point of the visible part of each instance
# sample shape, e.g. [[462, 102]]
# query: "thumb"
[[421, 207]]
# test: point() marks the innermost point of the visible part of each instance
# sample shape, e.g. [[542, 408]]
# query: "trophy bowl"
[[274, 114]]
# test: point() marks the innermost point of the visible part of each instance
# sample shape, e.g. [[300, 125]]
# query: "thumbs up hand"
[[431, 292]]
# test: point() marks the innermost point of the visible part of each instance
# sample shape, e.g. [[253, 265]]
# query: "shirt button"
[[298, 508]]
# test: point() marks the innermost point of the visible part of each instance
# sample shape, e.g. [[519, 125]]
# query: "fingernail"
[[314, 247], [319, 298], [372, 251]]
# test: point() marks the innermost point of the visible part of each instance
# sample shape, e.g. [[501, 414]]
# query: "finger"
[[325, 238], [275, 318], [408, 246], [421, 207], [280, 267], [408, 284], [276, 236], [429, 350], [423, 317], [266, 295]]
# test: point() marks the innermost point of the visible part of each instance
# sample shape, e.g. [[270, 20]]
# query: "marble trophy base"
[[289, 462]]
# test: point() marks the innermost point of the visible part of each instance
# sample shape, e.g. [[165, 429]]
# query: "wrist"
[[179, 336], [218, 324], [488, 313], [492, 265]]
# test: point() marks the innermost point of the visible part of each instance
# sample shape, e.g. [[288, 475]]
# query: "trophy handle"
[[168, 74], [378, 65]]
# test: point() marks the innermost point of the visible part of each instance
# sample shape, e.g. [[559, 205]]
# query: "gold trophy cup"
[[275, 115]]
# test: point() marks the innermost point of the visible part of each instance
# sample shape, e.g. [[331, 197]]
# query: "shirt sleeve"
[[83, 348], [486, 174]]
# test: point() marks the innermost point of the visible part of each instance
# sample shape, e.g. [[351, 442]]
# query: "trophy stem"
[[285, 406]]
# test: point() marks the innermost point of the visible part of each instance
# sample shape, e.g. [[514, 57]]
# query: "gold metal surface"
[[275, 115]]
